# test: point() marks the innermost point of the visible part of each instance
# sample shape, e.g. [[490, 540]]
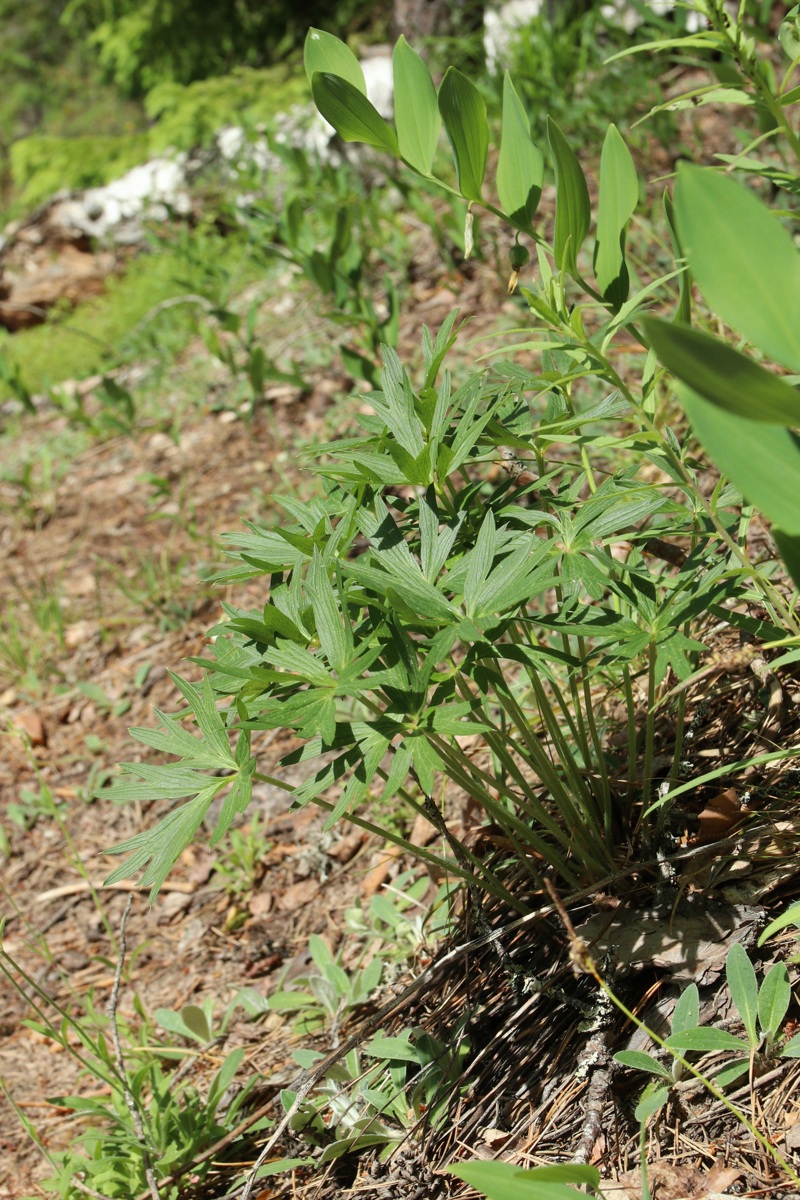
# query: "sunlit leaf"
[[573, 210], [743, 987], [687, 1010], [707, 1040], [464, 115], [762, 460], [504, 1181], [723, 375], [743, 260], [324, 52], [520, 166], [416, 113], [619, 195], [774, 997], [790, 917], [351, 114]]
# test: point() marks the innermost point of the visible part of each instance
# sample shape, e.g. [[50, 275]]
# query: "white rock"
[[150, 190], [380, 87], [500, 27]]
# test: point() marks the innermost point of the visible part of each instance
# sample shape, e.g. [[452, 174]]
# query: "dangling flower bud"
[[468, 242], [519, 257]]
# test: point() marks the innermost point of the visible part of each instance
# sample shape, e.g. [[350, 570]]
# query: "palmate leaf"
[[335, 636], [161, 846], [395, 405], [401, 572], [372, 746]]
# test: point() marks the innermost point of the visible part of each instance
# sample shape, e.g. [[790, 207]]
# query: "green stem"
[[650, 726], [632, 734], [599, 754]]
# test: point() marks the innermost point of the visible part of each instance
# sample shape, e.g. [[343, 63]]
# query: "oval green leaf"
[[687, 1010], [350, 113], [723, 375], [743, 986], [464, 115], [416, 113], [774, 998], [707, 1040], [324, 52], [650, 1103], [763, 461], [504, 1181], [520, 167], [196, 1022], [619, 195], [744, 261], [573, 210], [638, 1060]]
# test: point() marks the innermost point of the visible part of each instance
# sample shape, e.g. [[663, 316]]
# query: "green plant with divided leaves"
[[330, 990], [480, 567], [145, 1118], [398, 919], [358, 1104]]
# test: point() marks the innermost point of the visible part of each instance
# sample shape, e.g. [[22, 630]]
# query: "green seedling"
[[34, 803], [399, 920], [377, 1104], [331, 990], [241, 867]]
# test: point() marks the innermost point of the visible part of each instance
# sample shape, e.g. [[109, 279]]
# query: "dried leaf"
[[298, 894], [30, 723], [721, 815]]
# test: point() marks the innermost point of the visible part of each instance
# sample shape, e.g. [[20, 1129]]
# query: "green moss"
[[189, 116], [88, 340], [109, 329], [44, 163]]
